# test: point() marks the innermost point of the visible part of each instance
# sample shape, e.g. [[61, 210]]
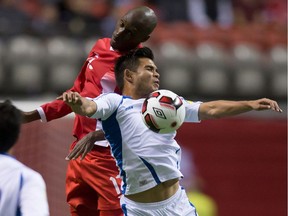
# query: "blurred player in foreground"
[[22, 190], [148, 161], [92, 184]]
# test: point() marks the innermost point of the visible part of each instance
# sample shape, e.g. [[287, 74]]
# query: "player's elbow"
[[209, 111], [212, 114]]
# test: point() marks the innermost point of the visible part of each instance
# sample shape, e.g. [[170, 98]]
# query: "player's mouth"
[[157, 83]]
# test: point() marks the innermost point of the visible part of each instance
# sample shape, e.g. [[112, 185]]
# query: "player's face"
[[147, 77], [128, 34]]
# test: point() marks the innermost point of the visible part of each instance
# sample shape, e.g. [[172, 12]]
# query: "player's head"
[[10, 123], [136, 70], [133, 28]]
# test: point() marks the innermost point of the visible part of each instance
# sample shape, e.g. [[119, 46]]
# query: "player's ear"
[[128, 75]]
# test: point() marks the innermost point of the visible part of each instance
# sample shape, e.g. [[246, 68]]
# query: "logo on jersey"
[[128, 108]]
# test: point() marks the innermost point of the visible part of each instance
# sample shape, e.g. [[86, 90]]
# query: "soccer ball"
[[163, 111]]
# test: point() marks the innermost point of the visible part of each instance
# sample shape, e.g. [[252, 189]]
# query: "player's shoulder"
[[6, 159], [31, 175], [106, 41], [190, 102], [102, 43], [111, 97], [129, 102], [16, 166]]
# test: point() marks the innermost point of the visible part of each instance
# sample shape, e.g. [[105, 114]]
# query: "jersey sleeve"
[[53, 110], [107, 104], [33, 195], [192, 110], [57, 108]]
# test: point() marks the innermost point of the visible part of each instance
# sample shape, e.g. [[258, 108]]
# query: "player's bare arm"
[[223, 108], [85, 145], [30, 116], [78, 104]]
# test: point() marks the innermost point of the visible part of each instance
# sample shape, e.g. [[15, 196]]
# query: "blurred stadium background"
[[205, 50]]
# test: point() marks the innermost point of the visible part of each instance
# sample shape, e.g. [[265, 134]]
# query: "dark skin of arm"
[[30, 116], [85, 145]]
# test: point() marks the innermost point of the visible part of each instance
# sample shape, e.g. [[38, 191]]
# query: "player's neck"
[[132, 93]]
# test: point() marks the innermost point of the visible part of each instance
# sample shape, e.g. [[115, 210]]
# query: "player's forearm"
[[221, 108], [30, 116]]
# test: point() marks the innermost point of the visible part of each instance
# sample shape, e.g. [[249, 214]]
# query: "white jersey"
[[144, 158], [22, 190]]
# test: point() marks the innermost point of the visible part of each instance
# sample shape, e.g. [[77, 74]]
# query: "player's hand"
[[71, 98], [265, 104], [79, 105], [85, 145]]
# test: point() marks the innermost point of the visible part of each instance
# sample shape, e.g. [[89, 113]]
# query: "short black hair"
[[10, 125], [130, 61]]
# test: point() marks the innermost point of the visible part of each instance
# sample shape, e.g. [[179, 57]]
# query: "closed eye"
[[151, 68]]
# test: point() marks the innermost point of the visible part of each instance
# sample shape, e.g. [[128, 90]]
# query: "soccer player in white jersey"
[[148, 161], [22, 190]]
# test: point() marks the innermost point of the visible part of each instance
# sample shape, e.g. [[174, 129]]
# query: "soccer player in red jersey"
[[92, 183]]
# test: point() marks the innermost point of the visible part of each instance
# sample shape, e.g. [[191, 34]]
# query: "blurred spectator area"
[[236, 62], [246, 61]]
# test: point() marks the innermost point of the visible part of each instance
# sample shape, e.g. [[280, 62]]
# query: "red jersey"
[[96, 77]]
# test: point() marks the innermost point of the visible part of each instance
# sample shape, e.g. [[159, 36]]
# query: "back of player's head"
[[10, 124], [131, 62]]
